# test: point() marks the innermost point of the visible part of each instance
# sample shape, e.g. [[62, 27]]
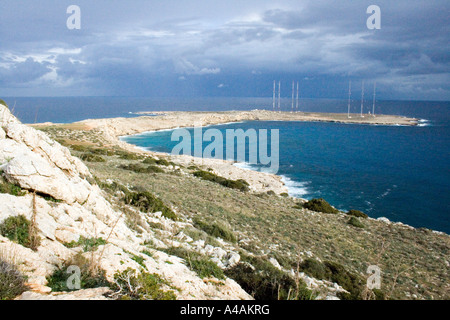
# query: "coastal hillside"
[[144, 225], [53, 216]]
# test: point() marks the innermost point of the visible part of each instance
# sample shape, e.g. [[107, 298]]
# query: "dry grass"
[[413, 261]]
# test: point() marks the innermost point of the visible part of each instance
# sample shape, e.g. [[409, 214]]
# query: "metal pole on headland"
[[273, 100], [296, 107], [362, 99], [293, 88], [349, 97], [374, 94], [279, 95]]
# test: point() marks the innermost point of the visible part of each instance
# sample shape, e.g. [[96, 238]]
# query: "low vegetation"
[[141, 169], [357, 214], [412, 260], [19, 230], [4, 103], [147, 202], [320, 205], [10, 188], [125, 155], [130, 285], [88, 244], [215, 229], [353, 221], [263, 281], [240, 184], [334, 272], [12, 282], [92, 157], [201, 265], [90, 276]]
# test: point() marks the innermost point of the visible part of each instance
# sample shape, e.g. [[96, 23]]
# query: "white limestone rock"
[[49, 149], [232, 259], [385, 220], [275, 263]]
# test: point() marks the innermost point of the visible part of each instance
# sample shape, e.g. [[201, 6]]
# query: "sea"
[[398, 172]]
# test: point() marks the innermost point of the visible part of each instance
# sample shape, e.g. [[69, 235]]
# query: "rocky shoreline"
[[126, 212], [113, 129]]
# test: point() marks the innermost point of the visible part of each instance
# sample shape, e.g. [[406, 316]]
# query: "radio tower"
[[362, 99], [349, 96], [279, 96], [296, 106], [273, 100], [293, 88], [374, 94]]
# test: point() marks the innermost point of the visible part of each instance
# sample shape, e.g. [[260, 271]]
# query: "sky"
[[229, 48]]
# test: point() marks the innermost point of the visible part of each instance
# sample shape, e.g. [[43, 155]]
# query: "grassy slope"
[[412, 261]]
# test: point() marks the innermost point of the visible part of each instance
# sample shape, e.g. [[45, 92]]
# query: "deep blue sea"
[[397, 172]]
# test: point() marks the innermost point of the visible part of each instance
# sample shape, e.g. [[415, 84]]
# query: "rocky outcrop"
[[66, 206]]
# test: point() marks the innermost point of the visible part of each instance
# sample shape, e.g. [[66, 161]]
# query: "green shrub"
[[50, 198], [147, 253], [12, 282], [263, 281], [334, 272], [314, 268], [144, 286], [149, 161], [128, 155], [147, 202], [201, 265], [141, 169], [240, 184], [284, 194], [355, 222], [140, 260], [298, 205], [205, 268], [17, 229], [92, 157], [10, 188], [143, 200], [103, 152], [215, 229], [357, 213], [162, 162], [379, 295], [320, 205], [88, 244], [111, 187], [81, 148], [90, 277], [3, 103]]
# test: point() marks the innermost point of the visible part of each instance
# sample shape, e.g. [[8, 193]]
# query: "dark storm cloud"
[[208, 45]]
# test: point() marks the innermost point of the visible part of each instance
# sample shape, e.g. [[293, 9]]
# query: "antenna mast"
[[374, 94], [273, 100], [293, 88], [349, 97], [296, 106], [279, 95], [362, 99]]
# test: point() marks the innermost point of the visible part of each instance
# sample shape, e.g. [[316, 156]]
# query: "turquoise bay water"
[[389, 171], [401, 173]]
